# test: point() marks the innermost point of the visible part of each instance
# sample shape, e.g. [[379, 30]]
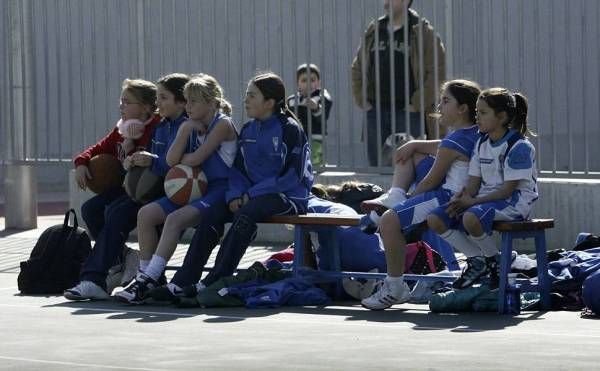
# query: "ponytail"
[[519, 120], [225, 106]]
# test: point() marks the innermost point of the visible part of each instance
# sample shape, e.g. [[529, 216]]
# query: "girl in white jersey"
[[215, 139], [447, 176], [502, 185]]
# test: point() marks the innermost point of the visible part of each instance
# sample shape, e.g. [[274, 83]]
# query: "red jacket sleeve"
[[108, 144]]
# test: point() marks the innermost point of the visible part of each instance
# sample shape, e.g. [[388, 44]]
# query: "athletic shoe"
[[382, 203], [359, 288], [387, 295], [476, 268], [493, 264], [86, 290], [137, 291], [166, 293]]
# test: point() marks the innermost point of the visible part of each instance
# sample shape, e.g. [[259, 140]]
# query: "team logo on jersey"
[[275, 143]]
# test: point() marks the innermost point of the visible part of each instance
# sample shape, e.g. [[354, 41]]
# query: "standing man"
[[389, 94]]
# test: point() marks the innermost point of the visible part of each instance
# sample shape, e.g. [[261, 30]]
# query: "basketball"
[[184, 184], [142, 185], [106, 171]]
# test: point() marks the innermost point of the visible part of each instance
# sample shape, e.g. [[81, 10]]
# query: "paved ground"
[[54, 334]]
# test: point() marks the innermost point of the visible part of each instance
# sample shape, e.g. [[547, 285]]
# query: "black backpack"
[[352, 194], [56, 259]]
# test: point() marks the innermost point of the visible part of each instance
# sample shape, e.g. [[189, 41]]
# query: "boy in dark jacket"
[[311, 105]]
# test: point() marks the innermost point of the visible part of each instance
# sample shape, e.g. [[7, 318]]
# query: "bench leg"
[[298, 250], [542, 270], [505, 260]]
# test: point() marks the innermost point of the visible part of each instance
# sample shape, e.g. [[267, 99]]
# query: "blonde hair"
[[207, 88], [142, 90]]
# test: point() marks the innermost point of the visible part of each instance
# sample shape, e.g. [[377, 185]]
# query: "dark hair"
[[271, 87], [465, 92], [303, 68], [514, 104], [174, 83]]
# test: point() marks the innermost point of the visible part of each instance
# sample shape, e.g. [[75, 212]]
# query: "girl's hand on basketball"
[[82, 174], [404, 153], [127, 163], [235, 204], [245, 199], [142, 158]]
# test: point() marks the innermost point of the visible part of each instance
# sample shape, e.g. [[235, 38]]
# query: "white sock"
[[200, 286], [394, 281], [397, 192], [461, 242], [375, 218], [155, 267], [144, 264], [486, 243]]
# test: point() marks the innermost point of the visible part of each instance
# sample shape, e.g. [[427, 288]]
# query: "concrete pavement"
[[51, 333]]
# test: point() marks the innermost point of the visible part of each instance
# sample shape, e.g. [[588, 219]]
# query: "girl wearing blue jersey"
[[214, 148], [501, 186], [271, 174], [447, 176], [120, 215]]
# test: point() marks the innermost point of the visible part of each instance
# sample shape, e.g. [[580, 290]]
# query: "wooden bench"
[[509, 231]]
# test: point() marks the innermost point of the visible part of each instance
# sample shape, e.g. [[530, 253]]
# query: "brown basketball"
[[107, 172], [142, 185], [184, 184]]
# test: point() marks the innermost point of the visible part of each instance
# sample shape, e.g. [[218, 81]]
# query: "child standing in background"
[[215, 146], [121, 214], [501, 186], [311, 110]]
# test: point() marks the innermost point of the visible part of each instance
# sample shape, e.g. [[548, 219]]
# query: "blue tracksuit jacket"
[[273, 158]]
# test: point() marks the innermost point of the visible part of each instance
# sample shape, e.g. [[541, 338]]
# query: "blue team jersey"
[[273, 158], [162, 138], [462, 141]]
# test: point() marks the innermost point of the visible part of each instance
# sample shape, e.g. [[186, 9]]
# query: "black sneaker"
[[137, 291], [476, 268], [162, 294], [493, 264]]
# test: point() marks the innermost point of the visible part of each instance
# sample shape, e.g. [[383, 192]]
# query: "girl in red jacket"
[[131, 133]]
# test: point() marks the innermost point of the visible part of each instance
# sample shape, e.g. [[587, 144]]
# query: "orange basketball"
[[106, 171], [184, 184]]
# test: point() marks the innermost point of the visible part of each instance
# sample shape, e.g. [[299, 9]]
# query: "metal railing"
[[65, 60]]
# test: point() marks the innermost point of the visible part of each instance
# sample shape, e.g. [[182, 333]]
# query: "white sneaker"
[[360, 288], [86, 290], [387, 296]]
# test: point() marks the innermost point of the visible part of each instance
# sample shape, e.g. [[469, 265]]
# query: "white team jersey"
[[494, 166], [227, 150]]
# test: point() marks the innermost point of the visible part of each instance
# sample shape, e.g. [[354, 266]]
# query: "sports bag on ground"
[[422, 259], [56, 259]]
